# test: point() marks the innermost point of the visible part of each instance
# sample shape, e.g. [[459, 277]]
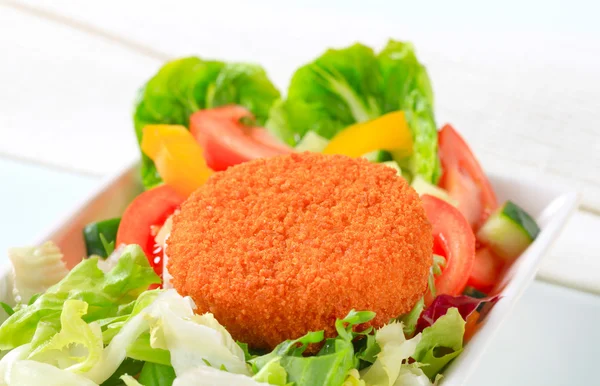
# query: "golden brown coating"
[[278, 247]]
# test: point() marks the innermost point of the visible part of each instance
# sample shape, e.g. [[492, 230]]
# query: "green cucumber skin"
[[91, 235], [474, 293], [508, 231], [521, 218]]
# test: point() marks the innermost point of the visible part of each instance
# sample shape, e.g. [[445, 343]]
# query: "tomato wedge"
[[143, 216], [453, 238], [464, 178], [227, 142], [471, 325], [486, 272]]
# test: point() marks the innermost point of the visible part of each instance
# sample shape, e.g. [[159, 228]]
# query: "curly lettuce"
[[157, 335], [64, 349], [77, 351], [395, 350], [107, 295], [440, 343]]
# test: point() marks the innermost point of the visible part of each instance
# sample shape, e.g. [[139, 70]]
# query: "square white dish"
[[549, 205]]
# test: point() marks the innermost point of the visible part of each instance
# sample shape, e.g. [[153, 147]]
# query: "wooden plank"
[[66, 96], [520, 81]]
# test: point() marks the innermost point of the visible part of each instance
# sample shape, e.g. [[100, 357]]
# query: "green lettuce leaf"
[[296, 346], [129, 366], [113, 324], [186, 85], [107, 295], [367, 350], [128, 380], [330, 366], [157, 375], [354, 84], [440, 343], [402, 74], [406, 87], [410, 319], [424, 161], [64, 349], [395, 350], [272, 373], [339, 88]]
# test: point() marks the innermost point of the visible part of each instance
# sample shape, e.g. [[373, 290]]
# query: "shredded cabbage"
[[35, 269], [395, 351]]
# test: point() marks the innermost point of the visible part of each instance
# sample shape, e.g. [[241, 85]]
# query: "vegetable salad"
[[114, 319]]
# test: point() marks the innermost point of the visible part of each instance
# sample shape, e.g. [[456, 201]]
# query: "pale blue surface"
[[33, 199], [550, 339]]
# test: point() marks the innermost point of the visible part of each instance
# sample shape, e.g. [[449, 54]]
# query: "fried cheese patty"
[[278, 247]]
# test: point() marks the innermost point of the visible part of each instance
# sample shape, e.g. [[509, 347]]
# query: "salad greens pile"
[[340, 88], [99, 325], [186, 85]]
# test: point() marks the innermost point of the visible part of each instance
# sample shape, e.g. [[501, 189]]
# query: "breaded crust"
[[278, 247]]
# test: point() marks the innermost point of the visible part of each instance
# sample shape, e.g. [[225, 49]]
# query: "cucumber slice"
[[423, 187], [379, 156], [508, 231], [312, 142], [394, 165], [474, 293], [100, 235]]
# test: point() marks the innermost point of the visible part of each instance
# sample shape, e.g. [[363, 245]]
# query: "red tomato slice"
[[465, 192], [453, 239], [487, 269], [227, 142], [149, 209], [464, 178]]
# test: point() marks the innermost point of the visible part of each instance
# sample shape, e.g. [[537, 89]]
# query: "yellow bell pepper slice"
[[389, 132], [178, 157]]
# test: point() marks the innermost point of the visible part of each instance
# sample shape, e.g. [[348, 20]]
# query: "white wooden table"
[[521, 81]]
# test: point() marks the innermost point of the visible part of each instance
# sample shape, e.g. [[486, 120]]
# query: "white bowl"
[[549, 205]]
